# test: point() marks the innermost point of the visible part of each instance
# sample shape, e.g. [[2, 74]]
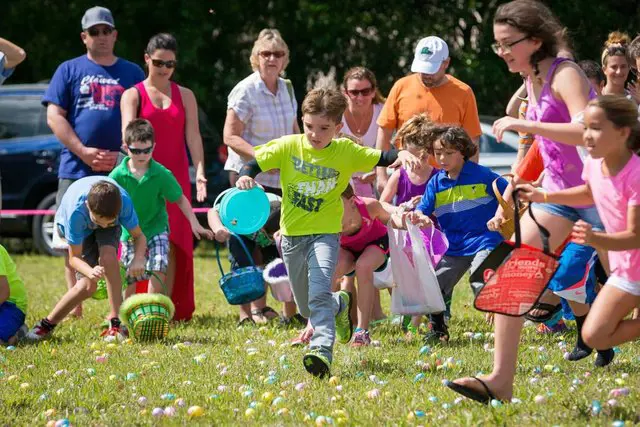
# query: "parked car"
[[30, 156], [499, 156]]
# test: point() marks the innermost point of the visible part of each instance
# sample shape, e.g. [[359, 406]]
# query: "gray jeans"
[[311, 262], [451, 269]]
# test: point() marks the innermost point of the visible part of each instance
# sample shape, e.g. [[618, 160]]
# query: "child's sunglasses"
[[141, 150], [160, 63]]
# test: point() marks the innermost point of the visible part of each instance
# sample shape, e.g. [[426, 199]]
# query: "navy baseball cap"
[[97, 15]]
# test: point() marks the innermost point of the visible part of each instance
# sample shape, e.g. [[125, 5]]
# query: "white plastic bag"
[[417, 290], [383, 279]]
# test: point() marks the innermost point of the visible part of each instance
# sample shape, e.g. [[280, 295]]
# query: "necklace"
[[358, 127]]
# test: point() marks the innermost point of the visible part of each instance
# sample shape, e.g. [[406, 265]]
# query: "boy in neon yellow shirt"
[[315, 169], [13, 299]]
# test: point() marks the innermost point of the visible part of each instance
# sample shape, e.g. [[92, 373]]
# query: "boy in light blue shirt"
[[89, 218]]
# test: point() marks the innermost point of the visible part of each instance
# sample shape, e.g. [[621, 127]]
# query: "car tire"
[[42, 227]]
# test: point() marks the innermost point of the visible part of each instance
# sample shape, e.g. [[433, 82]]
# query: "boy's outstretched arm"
[[219, 230], [198, 230]]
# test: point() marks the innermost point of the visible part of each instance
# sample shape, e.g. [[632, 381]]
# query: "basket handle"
[[501, 201], [544, 233], [244, 247], [151, 274]]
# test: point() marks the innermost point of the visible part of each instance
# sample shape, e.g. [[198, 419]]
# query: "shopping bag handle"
[[544, 233]]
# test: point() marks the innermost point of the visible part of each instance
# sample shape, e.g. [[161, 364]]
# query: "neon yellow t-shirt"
[[17, 291], [313, 180]]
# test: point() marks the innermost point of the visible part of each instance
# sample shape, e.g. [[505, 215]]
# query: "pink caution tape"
[[36, 212]]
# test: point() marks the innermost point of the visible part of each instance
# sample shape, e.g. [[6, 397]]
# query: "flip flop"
[[471, 393], [550, 311]]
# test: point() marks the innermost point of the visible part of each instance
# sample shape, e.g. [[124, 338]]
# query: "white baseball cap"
[[430, 53]]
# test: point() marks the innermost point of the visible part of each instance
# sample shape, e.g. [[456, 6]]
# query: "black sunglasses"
[[364, 92], [266, 54], [160, 63], [141, 150], [95, 32]]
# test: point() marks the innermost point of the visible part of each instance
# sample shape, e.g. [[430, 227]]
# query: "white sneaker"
[[58, 244]]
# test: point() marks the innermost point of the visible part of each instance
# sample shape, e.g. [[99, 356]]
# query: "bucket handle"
[[246, 251], [215, 202]]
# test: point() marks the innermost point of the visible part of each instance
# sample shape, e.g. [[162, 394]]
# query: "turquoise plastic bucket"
[[243, 211]]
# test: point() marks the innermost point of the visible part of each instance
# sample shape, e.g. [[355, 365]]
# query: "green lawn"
[[211, 364]]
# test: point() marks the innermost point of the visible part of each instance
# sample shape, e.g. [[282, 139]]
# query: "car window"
[[21, 116], [489, 144]]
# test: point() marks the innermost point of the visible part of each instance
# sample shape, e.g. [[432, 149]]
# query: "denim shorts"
[[589, 215], [11, 318]]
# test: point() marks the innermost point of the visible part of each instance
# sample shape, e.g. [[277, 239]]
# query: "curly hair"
[[616, 45], [452, 137], [415, 131]]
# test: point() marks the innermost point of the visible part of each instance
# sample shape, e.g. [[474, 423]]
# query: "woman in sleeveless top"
[[173, 112], [364, 103], [528, 38]]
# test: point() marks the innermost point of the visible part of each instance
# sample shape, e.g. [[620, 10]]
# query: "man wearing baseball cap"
[[83, 107], [429, 90]]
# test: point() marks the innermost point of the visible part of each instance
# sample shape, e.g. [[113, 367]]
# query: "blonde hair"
[[616, 45], [325, 102], [266, 37], [416, 132], [362, 73]]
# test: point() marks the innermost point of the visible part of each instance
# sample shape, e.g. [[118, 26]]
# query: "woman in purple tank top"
[[528, 38]]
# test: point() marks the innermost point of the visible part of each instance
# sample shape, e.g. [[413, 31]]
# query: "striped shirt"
[[265, 116], [463, 207]]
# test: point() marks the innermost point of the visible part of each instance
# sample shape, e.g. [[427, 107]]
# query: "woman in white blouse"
[[364, 105], [261, 108]]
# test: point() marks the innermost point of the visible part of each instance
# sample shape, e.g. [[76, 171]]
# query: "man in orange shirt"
[[429, 90]]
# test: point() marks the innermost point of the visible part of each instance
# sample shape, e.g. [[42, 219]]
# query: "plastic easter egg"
[[169, 411], [181, 402], [267, 397], [249, 412], [373, 394], [195, 411], [142, 401], [157, 412], [540, 399]]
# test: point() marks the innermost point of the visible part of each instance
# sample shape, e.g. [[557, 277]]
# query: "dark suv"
[[30, 155]]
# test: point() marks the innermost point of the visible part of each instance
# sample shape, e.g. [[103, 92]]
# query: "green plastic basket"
[[148, 315], [101, 290]]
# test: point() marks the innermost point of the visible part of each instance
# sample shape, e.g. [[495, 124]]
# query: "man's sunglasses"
[[364, 92], [160, 63], [95, 32], [141, 150], [266, 54]]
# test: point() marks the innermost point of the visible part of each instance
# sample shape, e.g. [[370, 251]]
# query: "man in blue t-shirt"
[[83, 108]]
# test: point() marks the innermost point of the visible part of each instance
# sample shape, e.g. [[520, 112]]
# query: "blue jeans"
[[311, 262], [589, 215]]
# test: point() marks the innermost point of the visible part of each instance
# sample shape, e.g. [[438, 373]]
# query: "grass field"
[[251, 376]]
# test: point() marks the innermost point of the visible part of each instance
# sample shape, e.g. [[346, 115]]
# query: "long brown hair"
[[362, 73], [623, 113], [535, 20]]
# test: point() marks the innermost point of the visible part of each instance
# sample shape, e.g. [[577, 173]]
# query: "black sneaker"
[[437, 334]]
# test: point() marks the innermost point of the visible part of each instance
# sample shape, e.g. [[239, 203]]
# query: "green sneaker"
[[344, 324], [316, 364]]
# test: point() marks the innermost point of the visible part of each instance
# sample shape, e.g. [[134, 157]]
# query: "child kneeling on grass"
[[89, 218], [315, 169], [460, 196], [13, 301], [150, 186]]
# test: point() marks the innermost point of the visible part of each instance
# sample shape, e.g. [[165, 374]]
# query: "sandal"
[[550, 310], [264, 315], [247, 321], [473, 394]]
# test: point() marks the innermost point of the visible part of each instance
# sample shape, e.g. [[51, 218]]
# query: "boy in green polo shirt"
[[150, 186], [13, 299]]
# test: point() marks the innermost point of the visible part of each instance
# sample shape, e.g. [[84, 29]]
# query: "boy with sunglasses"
[[150, 186]]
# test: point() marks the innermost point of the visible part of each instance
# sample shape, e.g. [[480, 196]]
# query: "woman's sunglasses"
[[364, 92], [266, 54], [141, 150], [95, 32], [160, 63]]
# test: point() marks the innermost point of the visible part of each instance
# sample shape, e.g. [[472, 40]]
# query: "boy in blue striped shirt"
[[460, 196]]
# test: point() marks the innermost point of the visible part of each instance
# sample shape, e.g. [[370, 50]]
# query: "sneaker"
[[344, 324], [437, 334], [39, 333], [559, 327], [22, 332], [361, 338], [316, 364], [304, 338], [119, 333]]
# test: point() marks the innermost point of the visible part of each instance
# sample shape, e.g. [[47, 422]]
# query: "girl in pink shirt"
[[612, 182]]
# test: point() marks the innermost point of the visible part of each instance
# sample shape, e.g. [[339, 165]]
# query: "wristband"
[[546, 196]]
